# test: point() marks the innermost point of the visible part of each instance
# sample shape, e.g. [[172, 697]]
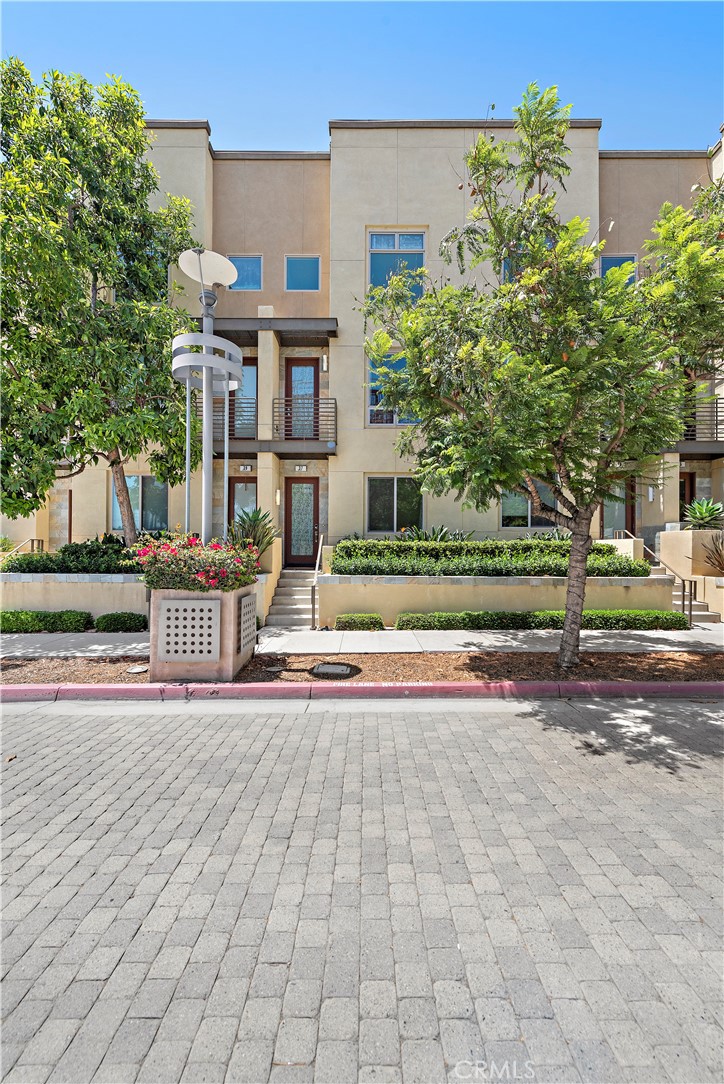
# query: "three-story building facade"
[[308, 233]]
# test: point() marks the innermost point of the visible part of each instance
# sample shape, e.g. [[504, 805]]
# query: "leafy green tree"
[[548, 379], [87, 315]]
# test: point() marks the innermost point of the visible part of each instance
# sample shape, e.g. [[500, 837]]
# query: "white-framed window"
[[392, 251], [516, 510], [379, 415], [393, 502], [249, 272], [607, 262], [302, 273], [149, 501]]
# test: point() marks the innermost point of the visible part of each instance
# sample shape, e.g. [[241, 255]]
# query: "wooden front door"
[[301, 522], [301, 399]]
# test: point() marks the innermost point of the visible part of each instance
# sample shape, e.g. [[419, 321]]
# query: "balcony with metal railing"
[[705, 427], [301, 426]]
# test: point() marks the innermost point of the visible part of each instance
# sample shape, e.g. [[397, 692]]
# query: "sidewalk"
[[278, 641]]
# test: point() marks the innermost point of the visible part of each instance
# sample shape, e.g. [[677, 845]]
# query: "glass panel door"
[[242, 496], [302, 391], [301, 521]]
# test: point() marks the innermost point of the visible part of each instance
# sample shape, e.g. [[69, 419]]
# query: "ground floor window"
[[149, 501], [516, 510], [242, 496], [393, 503]]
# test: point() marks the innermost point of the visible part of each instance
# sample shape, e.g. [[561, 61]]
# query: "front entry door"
[[301, 521]]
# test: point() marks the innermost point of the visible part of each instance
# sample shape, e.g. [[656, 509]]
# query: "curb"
[[327, 690]]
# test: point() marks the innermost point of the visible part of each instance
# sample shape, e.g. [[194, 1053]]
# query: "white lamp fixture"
[[217, 370], [325, 363], [278, 497]]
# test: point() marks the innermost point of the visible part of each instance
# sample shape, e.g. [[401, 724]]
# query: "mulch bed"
[[423, 667]]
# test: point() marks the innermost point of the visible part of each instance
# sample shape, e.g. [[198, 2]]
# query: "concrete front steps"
[[700, 612], [291, 606]]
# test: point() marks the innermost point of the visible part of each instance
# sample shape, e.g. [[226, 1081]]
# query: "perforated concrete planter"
[[202, 635]]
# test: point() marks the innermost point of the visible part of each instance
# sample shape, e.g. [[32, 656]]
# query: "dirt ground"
[[441, 666]]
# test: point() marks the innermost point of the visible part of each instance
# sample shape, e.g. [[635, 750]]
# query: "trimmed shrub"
[[123, 621], [45, 620], [359, 623], [93, 556], [481, 620], [489, 557]]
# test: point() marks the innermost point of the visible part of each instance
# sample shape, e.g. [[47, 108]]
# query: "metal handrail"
[[685, 609], [40, 547], [314, 582]]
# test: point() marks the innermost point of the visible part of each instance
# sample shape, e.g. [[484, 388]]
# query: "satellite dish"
[[208, 268]]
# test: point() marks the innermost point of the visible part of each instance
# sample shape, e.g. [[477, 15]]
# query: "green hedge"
[[489, 557], [359, 623], [471, 620], [121, 622], [45, 620], [109, 557]]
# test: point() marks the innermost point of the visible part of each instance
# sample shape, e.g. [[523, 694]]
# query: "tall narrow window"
[[379, 415], [390, 253]]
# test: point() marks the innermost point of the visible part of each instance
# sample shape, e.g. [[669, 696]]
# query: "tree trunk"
[[124, 501], [581, 543]]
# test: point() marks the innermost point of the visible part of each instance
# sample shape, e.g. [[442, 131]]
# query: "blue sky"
[[270, 75]]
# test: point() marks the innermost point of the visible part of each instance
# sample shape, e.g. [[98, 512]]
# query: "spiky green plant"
[[704, 515], [715, 552], [256, 527], [434, 534]]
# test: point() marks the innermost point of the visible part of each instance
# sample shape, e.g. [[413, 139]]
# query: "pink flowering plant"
[[182, 562]]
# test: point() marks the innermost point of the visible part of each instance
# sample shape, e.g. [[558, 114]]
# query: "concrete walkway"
[[278, 641], [391, 893]]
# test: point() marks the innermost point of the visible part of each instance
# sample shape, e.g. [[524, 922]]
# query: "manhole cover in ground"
[[136, 669], [332, 670]]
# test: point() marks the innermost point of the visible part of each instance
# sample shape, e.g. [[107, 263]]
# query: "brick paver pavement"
[[431, 892]]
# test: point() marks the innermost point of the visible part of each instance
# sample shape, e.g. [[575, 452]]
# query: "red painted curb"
[[363, 690], [252, 690], [15, 694]]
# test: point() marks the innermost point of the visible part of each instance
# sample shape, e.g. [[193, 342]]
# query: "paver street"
[[422, 892]]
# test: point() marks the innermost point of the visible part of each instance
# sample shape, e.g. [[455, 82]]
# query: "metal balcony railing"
[[705, 422], [242, 418], [305, 418]]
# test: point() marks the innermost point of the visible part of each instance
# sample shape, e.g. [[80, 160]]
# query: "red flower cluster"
[[182, 562]]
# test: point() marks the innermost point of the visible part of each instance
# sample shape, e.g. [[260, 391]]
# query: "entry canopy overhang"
[[292, 331]]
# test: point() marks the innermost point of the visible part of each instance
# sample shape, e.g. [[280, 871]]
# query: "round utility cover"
[[214, 267]]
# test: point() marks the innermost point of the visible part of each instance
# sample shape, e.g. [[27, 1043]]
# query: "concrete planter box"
[[201, 635], [99, 593], [684, 552], [393, 595]]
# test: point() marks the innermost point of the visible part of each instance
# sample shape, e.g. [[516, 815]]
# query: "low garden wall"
[[393, 595], [98, 593]]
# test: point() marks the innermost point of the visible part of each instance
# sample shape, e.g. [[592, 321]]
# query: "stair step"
[[295, 611], [707, 618], [286, 621], [293, 592]]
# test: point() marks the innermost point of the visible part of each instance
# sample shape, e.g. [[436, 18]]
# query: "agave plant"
[[434, 534], [554, 534], [704, 515], [715, 552], [256, 527]]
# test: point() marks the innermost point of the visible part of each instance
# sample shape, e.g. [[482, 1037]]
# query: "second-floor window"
[[149, 501], [248, 272], [302, 273], [607, 262], [390, 253]]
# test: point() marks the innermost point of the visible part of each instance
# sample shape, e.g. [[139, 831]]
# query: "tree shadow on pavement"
[[672, 735]]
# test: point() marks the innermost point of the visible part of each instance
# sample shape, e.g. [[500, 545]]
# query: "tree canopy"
[[547, 377], [87, 315]]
